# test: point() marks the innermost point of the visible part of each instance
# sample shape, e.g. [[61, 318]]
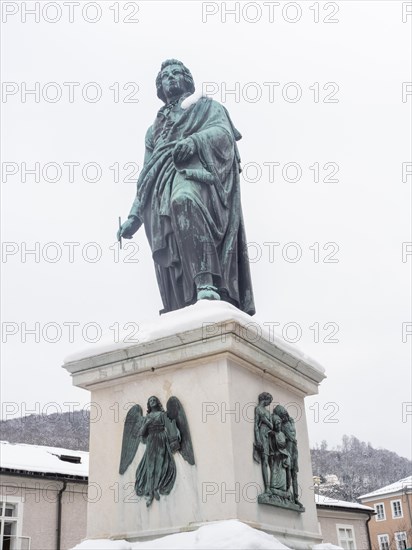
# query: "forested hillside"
[[68, 430], [359, 468]]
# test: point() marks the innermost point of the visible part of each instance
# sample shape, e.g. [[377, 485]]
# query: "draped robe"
[[191, 210], [157, 469]]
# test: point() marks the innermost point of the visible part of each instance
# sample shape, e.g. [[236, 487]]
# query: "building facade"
[[344, 523], [391, 528], [43, 497]]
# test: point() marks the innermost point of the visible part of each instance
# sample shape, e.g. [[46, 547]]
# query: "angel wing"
[[176, 412], [132, 425]]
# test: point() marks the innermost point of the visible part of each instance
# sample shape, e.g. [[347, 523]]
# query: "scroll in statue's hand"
[[129, 228], [183, 150]]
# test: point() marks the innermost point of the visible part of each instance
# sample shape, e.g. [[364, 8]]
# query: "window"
[[401, 542], [10, 523], [396, 509], [346, 537], [383, 542], [380, 512]]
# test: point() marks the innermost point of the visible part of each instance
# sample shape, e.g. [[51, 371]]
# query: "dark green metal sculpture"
[[164, 433], [275, 448], [188, 198]]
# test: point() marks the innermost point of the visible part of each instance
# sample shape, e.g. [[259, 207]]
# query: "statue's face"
[[153, 403], [173, 82]]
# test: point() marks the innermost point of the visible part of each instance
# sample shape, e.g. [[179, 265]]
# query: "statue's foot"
[[149, 500], [156, 495], [207, 292]]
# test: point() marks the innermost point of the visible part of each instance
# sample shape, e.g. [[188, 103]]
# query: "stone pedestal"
[[217, 361]]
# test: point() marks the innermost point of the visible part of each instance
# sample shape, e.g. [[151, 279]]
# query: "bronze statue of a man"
[[188, 198]]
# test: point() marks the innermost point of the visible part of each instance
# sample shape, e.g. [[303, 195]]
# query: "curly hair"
[[149, 409], [281, 412], [264, 396], [187, 75]]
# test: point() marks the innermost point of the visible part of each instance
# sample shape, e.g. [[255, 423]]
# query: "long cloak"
[[211, 180]]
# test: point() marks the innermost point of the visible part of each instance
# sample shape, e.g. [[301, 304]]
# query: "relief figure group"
[[276, 449]]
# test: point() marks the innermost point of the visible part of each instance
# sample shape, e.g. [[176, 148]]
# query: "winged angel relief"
[[164, 433]]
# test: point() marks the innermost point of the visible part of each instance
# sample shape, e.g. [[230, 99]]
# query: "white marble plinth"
[[216, 360]]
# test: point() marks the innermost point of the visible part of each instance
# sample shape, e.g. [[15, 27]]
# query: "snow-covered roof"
[[327, 501], [396, 487], [37, 458]]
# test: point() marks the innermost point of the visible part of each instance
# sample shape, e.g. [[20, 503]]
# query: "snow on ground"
[[220, 535], [103, 544], [192, 317], [39, 458]]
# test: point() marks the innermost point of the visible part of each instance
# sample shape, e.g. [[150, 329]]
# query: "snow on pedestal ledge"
[[192, 317], [221, 535]]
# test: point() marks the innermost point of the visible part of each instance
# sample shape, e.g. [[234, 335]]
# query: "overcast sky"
[[320, 101]]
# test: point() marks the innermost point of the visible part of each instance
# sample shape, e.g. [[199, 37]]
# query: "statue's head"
[[265, 398], [153, 403], [281, 412], [173, 80], [277, 422]]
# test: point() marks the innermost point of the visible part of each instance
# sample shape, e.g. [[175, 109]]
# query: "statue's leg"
[[272, 471], [195, 232], [170, 286], [265, 473], [295, 486], [168, 270], [288, 479]]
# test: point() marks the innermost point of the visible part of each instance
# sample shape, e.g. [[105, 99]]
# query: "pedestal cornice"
[[228, 338]]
